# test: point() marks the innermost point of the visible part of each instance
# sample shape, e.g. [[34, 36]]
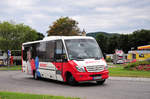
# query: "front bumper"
[[91, 76]]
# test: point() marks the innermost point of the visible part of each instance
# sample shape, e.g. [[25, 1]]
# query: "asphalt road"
[[17, 81]]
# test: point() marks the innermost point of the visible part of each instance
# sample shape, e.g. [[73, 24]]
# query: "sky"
[[114, 16]]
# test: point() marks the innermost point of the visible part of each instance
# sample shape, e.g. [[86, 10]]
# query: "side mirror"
[[64, 58]]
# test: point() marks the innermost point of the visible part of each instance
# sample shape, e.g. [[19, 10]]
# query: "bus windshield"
[[83, 49]]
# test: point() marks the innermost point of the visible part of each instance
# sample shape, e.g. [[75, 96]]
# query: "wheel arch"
[[66, 75]]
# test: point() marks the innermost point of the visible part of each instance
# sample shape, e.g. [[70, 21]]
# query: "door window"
[[59, 51]]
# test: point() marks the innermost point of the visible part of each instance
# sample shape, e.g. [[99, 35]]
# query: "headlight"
[[80, 68]]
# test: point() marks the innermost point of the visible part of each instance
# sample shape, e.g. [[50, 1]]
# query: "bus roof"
[[59, 37]]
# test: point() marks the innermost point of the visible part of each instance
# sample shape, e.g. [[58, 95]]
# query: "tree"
[[140, 38], [102, 41], [64, 26], [13, 35], [113, 44], [40, 36], [123, 42]]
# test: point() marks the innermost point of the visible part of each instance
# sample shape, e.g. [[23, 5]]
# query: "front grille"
[[96, 68]]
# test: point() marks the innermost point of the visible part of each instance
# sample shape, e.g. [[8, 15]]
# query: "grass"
[[121, 72], [18, 67], [14, 95], [116, 70]]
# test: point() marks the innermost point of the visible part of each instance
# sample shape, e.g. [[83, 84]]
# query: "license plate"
[[96, 78]]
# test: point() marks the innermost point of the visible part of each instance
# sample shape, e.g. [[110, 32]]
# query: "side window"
[[50, 46], [29, 52], [42, 51], [59, 51], [34, 50], [25, 53]]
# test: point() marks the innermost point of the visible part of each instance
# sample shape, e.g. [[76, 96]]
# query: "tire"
[[71, 81], [35, 76], [100, 82]]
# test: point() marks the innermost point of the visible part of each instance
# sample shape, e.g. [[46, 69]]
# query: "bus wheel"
[[100, 82], [71, 81], [35, 76]]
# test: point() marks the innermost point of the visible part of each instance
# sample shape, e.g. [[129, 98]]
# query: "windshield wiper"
[[96, 58], [78, 59]]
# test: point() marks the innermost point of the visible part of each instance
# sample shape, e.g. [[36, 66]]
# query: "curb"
[[129, 79]]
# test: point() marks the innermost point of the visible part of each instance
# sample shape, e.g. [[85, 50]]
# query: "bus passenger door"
[[59, 52], [26, 66]]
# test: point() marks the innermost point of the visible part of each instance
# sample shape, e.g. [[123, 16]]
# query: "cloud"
[[16, 6], [92, 15], [93, 3], [117, 19], [39, 21], [19, 4], [96, 22]]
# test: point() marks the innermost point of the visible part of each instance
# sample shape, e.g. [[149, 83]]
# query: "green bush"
[[108, 59], [131, 66]]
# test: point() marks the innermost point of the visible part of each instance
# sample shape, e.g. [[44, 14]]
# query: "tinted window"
[[50, 45], [34, 50], [30, 49], [26, 48], [42, 51], [46, 51], [59, 51]]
